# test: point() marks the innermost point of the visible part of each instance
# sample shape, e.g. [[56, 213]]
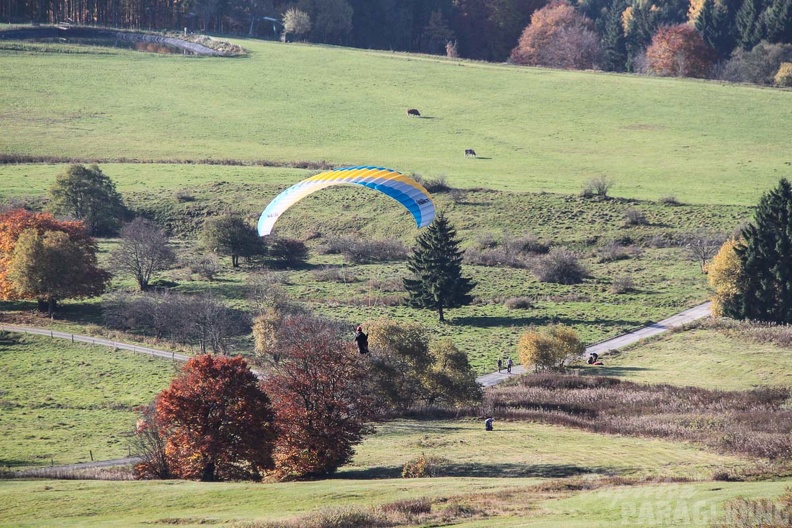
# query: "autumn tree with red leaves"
[[679, 51], [55, 260], [217, 421], [318, 392], [560, 37]]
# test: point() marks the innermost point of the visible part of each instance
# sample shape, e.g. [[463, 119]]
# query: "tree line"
[[613, 34]]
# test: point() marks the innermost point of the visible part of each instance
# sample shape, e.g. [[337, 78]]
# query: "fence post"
[[51, 336], [72, 338], [91, 453]]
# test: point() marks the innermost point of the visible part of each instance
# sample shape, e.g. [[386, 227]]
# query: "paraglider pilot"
[[361, 340]]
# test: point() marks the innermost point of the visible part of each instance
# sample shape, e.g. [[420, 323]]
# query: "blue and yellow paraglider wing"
[[401, 188]]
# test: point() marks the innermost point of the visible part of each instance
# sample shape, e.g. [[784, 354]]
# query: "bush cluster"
[[358, 250], [560, 266]]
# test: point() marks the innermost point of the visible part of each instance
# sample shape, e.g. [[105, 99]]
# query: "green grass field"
[[702, 358], [61, 400], [96, 503], [533, 129]]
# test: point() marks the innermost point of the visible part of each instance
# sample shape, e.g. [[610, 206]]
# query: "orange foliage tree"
[[679, 51], [559, 37], [217, 421], [16, 222], [319, 395]]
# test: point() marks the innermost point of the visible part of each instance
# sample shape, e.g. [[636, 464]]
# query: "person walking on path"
[[509, 364], [500, 365]]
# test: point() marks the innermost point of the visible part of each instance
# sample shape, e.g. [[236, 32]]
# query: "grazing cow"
[[413, 112], [470, 152]]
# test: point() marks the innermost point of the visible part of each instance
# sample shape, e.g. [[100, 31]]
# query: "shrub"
[[784, 75], [549, 347], [596, 188], [560, 266], [360, 251], [288, 252], [424, 466], [634, 217], [669, 199], [495, 257], [622, 284], [614, 251], [759, 65], [519, 303], [183, 196], [334, 274], [206, 266]]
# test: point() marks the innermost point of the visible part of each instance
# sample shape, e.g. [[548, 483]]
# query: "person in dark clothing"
[[500, 364], [361, 340], [488, 423]]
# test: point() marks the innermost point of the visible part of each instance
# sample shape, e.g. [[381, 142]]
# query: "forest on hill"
[[736, 40]]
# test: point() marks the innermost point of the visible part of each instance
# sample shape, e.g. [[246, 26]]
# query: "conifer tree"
[[776, 21], [436, 265], [614, 42], [748, 27], [766, 256]]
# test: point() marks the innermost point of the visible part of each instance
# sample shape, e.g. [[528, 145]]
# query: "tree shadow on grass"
[[616, 371], [481, 470], [540, 320]]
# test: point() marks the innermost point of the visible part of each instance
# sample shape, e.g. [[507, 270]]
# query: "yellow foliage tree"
[[725, 274], [550, 347], [784, 75]]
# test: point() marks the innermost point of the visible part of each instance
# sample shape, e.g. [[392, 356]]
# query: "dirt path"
[[76, 338], [61, 471], [697, 312]]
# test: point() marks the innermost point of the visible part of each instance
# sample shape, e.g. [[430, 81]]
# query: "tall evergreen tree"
[[748, 27], [766, 256], [776, 21], [436, 265], [614, 42]]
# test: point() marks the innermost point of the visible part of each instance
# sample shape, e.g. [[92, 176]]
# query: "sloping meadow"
[[754, 423]]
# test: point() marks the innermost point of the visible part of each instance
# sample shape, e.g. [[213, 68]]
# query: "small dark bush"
[[669, 199], [287, 252], [622, 284], [184, 196], [362, 251], [496, 257], [560, 266], [596, 188], [634, 217], [613, 251], [519, 303], [334, 274]]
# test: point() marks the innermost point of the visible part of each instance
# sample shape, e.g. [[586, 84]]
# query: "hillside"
[[534, 129]]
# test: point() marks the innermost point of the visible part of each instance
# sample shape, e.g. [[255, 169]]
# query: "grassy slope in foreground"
[[60, 400], [97, 503], [533, 129], [703, 358]]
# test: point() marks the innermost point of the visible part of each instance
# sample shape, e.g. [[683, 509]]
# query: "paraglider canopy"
[[398, 186]]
